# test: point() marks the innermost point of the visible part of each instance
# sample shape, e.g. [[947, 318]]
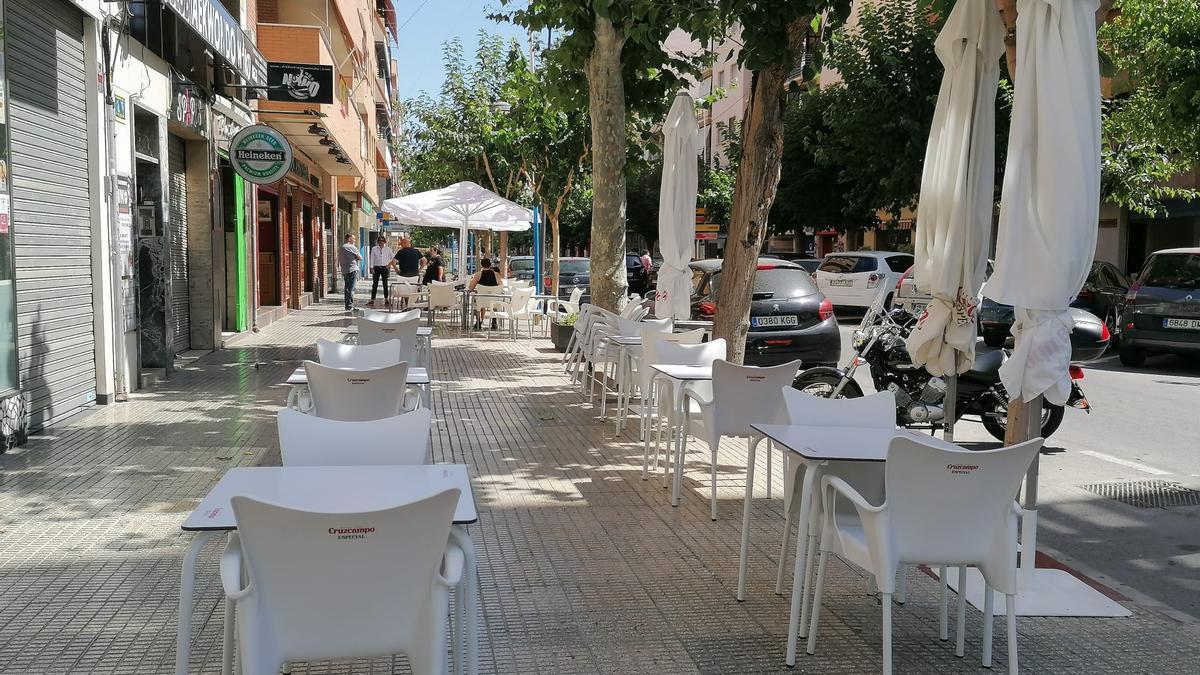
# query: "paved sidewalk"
[[584, 567]]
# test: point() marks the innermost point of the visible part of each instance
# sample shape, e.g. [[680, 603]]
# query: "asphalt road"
[[1144, 428]]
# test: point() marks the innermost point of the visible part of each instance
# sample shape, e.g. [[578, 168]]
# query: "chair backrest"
[[373, 332], [390, 317], [521, 283], [486, 297], [341, 355], [443, 295], [745, 395], [703, 354], [876, 411], [306, 440], [576, 296], [947, 505], [357, 395], [630, 310], [333, 586], [632, 328], [651, 339], [521, 296]]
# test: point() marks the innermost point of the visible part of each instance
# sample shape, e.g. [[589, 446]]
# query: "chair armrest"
[[833, 484], [232, 561], [700, 399], [450, 574]]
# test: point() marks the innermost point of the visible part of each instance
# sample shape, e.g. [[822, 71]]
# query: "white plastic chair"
[[371, 332], [740, 396], [325, 597], [875, 411], [571, 305], [487, 298], [391, 317], [637, 376], [443, 296], [703, 354], [946, 506], [357, 395], [341, 355], [305, 440], [603, 356], [513, 309]]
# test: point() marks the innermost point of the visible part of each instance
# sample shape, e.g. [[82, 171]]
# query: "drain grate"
[[1147, 494]]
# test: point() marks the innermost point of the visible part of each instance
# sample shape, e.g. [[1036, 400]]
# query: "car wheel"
[[1131, 356], [995, 340]]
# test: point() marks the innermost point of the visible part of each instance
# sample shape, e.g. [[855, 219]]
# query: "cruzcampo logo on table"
[[260, 154]]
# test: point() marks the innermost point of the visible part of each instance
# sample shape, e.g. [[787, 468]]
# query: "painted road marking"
[[1126, 463]]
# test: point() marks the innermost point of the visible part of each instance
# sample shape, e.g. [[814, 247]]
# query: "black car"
[[789, 318], [1103, 294], [1162, 309], [521, 267], [572, 273], [636, 275]]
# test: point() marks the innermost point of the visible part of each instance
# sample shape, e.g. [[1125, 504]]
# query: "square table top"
[[349, 489], [684, 373], [841, 443], [422, 331], [416, 375]]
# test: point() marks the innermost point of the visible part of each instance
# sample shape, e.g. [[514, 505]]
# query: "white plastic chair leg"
[[713, 452], [819, 595], [960, 626], [747, 503], [783, 552], [887, 634], [770, 461], [902, 585], [943, 612], [808, 571], [1010, 605], [987, 626]]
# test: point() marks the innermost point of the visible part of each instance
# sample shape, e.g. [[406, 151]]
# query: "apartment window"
[[721, 79]]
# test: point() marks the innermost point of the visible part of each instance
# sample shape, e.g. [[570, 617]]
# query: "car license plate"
[[1187, 324], [841, 282], [769, 321]]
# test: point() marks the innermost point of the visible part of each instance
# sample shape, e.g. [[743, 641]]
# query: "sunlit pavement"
[[584, 566]]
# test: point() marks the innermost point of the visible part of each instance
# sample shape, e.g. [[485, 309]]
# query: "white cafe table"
[[818, 446], [679, 377], [417, 377], [331, 489], [424, 340]]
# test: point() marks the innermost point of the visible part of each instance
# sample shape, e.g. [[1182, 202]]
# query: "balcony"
[[321, 131]]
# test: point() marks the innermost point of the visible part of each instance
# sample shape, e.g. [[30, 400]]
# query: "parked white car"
[[912, 300], [855, 278]]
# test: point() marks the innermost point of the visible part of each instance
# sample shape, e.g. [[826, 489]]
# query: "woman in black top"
[[434, 269], [485, 276]]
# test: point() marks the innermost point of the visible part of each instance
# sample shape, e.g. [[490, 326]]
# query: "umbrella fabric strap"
[[944, 339], [1041, 356]]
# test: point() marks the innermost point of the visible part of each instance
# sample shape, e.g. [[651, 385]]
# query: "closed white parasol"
[[957, 186], [677, 210]]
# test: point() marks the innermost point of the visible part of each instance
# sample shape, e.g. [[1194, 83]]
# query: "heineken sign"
[[260, 154]]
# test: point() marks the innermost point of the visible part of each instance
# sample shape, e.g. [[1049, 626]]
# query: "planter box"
[[560, 335]]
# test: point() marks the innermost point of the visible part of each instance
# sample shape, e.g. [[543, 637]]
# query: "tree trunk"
[[504, 253], [753, 194], [606, 94], [554, 247]]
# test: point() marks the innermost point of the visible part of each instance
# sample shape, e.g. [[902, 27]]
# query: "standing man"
[[348, 259], [381, 259], [408, 259], [647, 262]]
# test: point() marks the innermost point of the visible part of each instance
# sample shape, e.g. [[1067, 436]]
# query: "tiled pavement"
[[584, 567]]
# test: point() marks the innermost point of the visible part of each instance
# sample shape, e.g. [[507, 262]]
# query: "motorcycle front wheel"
[[823, 385], [996, 420]]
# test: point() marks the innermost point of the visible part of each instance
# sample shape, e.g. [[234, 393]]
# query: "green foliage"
[[857, 147], [715, 192]]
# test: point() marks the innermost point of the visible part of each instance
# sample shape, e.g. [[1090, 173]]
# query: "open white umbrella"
[[955, 208], [677, 210], [466, 206]]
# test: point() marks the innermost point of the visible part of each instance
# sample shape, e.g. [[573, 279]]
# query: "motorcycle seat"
[[987, 365]]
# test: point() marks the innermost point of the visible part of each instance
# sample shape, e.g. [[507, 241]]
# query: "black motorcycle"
[[879, 344]]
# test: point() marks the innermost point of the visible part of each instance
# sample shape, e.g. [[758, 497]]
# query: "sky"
[[429, 24]]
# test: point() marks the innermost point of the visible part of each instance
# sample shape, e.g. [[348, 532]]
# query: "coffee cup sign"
[[260, 154]]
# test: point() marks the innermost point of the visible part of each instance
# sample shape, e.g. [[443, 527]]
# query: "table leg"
[[227, 627], [680, 442], [798, 583], [471, 596], [745, 548], [187, 584]]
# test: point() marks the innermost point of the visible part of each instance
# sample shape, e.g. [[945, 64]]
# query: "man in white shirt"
[[381, 259]]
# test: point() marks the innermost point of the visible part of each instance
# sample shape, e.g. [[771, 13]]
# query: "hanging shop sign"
[[299, 82], [260, 154], [188, 106], [220, 31]]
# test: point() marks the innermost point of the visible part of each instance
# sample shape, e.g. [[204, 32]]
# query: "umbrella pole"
[[949, 403], [1024, 423]]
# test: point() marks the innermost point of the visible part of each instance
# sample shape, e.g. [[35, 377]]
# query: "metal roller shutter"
[[51, 206], [180, 318]]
